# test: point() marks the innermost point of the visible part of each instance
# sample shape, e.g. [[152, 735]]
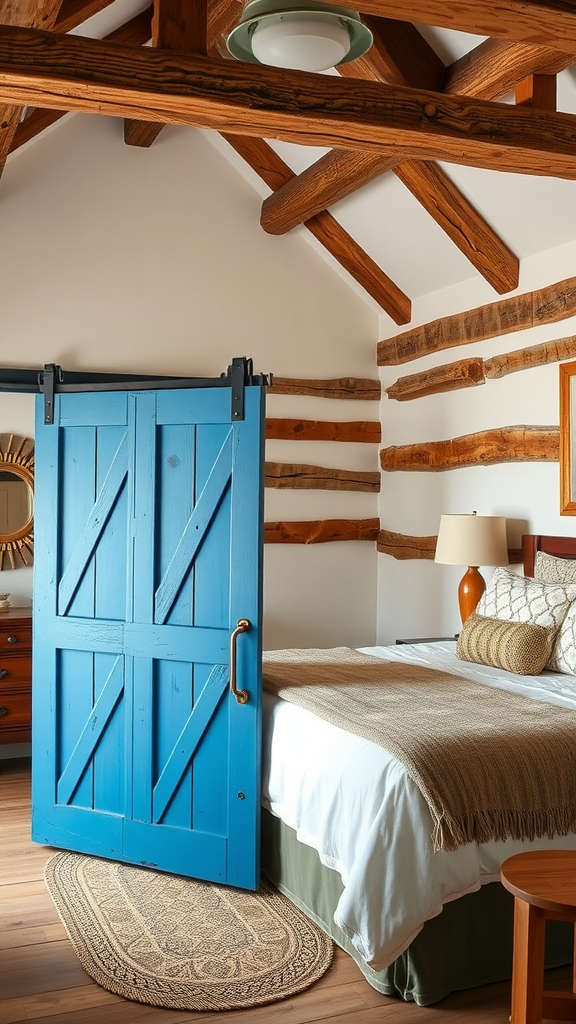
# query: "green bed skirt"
[[468, 944]]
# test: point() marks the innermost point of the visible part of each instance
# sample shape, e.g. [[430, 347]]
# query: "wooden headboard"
[[562, 547]]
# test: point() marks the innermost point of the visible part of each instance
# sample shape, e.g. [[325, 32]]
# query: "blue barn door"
[[148, 512]]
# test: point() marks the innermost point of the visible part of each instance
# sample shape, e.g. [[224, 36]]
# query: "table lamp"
[[471, 540]]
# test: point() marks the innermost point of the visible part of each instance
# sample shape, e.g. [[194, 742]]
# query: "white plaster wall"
[[123, 259], [418, 598]]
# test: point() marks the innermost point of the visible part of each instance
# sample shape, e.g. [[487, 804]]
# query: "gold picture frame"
[[16, 533], [567, 453]]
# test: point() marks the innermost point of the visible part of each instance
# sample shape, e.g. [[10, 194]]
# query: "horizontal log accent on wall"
[[466, 373], [525, 358], [358, 388], [544, 306], [485, 448], [321, 531], [319, 478], [323, 430], [403, 547]]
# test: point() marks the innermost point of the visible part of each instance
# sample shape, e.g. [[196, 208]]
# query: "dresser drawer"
[[15, 637], [14, 672], [15, 716]]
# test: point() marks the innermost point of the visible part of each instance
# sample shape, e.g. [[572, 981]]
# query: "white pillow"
[[563, 657], [515, 598], [550, 569]]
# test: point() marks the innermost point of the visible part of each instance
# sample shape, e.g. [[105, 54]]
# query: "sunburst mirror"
[[16, 501]]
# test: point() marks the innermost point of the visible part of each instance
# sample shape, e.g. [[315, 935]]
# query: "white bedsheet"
[[355, 804]]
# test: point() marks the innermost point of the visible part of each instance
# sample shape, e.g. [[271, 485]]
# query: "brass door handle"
[[242, 626]]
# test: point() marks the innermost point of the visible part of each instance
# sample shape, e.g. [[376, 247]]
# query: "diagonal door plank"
[[91, 733], [135, 32], [189, 739], [389, 61], [29, 14], [194, 532], [272, 169]]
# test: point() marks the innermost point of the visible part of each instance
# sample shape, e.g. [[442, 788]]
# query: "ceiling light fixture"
[[305, 35]]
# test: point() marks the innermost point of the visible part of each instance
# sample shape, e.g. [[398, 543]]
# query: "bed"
[[347, 835]]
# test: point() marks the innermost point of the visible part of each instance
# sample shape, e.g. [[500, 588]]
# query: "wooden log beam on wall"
[[321, 531], [319, 478], [484, 448], [72, 73], [535, 355], [358, 431], [465, 373], [403, 547], [531, 309], [494, 67], [355, 388]]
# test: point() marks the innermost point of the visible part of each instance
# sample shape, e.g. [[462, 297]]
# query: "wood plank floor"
[[41, 979]]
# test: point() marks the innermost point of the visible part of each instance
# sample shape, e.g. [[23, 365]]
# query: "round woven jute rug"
[[176, 942]]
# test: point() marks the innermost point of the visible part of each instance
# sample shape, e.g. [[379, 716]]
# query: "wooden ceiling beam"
[[389, 61], [329, 179], [93, 76], [272, 169], [493, 69], [192, 28], [31, 14], [538, 91], [135, 32], [399, 55], [542, 22], [75, 12]]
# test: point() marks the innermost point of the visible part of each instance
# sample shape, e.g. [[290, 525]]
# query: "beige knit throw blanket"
[[489, 763]]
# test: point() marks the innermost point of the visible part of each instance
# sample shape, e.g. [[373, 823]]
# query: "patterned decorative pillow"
[[550, 569], [521, 599], [563, 657], [520, 647]]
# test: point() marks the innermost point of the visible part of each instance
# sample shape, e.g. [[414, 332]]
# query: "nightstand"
[[426, 639]]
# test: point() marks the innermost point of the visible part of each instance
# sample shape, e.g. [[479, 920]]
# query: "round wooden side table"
[[543, 883]]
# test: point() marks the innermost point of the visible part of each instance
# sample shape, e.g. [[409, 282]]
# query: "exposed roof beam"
[[399, 55], [493, 68], [135, 32], [481, 245], [537, 91], [329, 179], [32, 14], [68, 72], [272, 169], [74, 12], [389, 60], [549, 23], [489, 71], [193, 28]]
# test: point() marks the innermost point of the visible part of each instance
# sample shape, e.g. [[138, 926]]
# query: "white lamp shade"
[[302, 43], [472, 540]]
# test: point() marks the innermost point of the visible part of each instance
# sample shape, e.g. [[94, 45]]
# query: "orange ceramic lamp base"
[[470, 590]]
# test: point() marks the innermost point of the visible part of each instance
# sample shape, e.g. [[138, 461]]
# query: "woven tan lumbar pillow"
[[521, 647]]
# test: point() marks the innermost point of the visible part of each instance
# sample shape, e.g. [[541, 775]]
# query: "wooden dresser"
[[15, 675]]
